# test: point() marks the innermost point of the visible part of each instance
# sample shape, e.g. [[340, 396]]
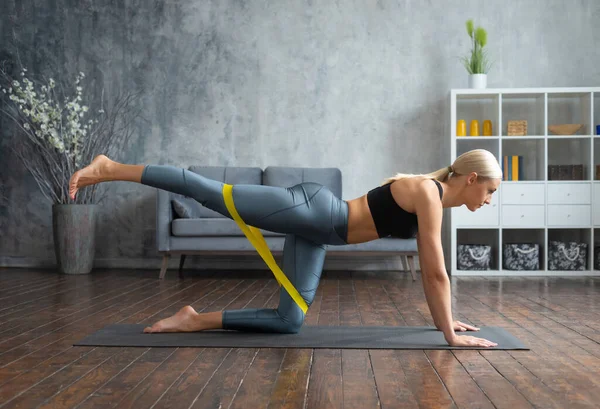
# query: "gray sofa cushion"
[[288, 176], [188, 208], [210, 227], [223, 244]]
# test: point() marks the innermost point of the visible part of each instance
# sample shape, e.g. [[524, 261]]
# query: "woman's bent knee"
[[291, 327], [291, 321]]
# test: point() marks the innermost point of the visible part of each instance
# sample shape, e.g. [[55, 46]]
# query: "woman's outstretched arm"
[[436, 282]]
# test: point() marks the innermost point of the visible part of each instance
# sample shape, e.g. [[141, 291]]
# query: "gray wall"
[[363, 86]]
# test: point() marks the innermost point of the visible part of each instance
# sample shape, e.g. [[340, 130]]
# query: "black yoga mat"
[[353, 337]]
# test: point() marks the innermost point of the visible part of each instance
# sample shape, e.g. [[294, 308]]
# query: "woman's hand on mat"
[[469, 341], [461, 326]]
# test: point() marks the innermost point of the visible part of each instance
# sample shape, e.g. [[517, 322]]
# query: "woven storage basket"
[[517, 128]]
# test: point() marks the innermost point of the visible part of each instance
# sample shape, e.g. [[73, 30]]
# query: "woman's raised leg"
[[308, 209]]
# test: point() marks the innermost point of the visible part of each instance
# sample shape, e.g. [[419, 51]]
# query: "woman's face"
[[479, 191]]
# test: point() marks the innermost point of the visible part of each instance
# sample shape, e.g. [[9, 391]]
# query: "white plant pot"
[[478, 81]]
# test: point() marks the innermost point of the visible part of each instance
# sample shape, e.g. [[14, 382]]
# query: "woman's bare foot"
[[186, 320], [95, 172]]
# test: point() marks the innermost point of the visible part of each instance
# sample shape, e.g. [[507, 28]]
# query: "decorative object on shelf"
[[461, 127], [565, 129], [474, 257], [521, 256], [517, 127], [597, 172], [478, 81], [477, 63], [567, 255], [474, 128], [512, 167], [567, 172], [487, 127], [597, 129]]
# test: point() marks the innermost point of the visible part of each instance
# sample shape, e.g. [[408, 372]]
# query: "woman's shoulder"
[[429, 190], [419, 185], [416, 193]]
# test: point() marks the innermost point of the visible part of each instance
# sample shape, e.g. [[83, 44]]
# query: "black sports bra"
[[390, 219]]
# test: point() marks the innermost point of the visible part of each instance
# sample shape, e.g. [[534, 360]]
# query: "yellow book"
[[515, 167]]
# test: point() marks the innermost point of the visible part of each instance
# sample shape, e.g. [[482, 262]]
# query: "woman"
[[311, 217]]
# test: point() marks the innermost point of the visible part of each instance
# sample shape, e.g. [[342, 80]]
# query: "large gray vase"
[[74, 229]]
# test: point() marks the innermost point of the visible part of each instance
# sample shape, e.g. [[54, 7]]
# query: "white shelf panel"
[[562, 226], [476, 227], [558, 91], [520, 138], [525, 182], [522, 95], [476, 138], [568, 137], [558, 182], [525, 273]]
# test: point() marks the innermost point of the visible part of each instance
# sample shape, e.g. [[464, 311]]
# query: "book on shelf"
[[512, 167]]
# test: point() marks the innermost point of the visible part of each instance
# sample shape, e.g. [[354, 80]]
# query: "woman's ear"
[[472, 178]]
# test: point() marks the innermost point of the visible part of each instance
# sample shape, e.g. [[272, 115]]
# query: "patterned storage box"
[[474, 257], [567, 255], [521, 256]]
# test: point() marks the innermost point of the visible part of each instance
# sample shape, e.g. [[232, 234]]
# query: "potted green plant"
[[56, 134], [477, 62]]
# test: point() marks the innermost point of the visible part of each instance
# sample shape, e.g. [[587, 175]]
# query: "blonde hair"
[[481, 161]]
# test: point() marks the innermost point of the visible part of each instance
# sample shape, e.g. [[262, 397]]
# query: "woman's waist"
[[361, 226]]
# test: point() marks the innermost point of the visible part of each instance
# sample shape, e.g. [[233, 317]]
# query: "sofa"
[[185, 227]]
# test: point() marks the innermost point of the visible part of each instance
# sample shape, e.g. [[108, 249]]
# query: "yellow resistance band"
[[258, 241]]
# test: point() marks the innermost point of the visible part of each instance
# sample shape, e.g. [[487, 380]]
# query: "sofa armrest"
[[164, 217]]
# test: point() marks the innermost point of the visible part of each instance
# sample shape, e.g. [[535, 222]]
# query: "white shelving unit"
[[534, 209]]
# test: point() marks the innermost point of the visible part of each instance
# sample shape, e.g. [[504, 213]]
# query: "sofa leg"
[[403, 264], [165, 264], [411, 263], [181, 261]]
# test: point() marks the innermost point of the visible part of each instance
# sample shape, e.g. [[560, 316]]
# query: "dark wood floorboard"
[[43, 313]]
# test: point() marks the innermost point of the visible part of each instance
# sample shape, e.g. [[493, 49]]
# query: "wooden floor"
[[42, 314]]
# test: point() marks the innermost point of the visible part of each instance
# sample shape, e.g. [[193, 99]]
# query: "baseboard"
[[332, 262]]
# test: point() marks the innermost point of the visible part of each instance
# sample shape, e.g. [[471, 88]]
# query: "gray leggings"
[[309, 215]]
